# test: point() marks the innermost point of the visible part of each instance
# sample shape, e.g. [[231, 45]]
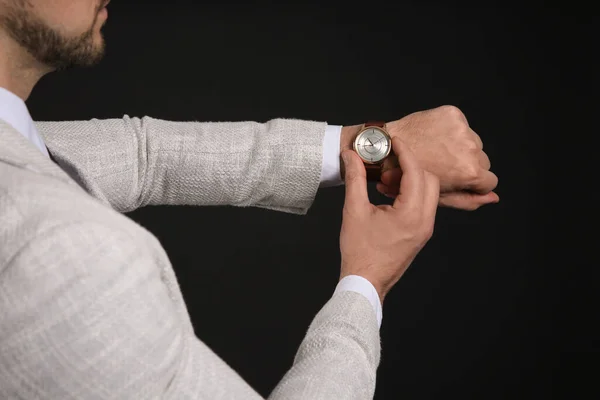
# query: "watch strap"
[[373, 172], [379, 124]]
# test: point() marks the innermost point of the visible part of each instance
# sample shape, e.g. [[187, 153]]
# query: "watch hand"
[[369, 140]]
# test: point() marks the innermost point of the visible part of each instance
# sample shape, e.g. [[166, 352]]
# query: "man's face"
[[57, 33]]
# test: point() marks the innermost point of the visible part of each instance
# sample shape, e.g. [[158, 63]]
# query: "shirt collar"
[[14, 112]]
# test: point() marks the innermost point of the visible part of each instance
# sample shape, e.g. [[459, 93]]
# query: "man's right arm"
[[87, 314], [339, 355]]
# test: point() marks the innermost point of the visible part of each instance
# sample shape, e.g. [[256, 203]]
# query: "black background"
[[481, 313]]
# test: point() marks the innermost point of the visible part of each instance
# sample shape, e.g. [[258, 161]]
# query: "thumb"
[[355, 177]]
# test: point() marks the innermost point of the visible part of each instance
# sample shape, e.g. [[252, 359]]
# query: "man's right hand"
[[380, 242]]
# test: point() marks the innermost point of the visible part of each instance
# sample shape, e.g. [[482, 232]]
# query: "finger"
[[467, 200], [484, 161], [431, 196], [485, 182], [355, 178], [387, 191], [391, 178], [412, 182], [477, 139]]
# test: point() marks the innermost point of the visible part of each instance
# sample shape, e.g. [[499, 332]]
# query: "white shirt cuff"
[[358, 284], [330, 170]]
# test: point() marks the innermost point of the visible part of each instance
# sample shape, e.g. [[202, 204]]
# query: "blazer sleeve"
[[132, 162], [87, 315]]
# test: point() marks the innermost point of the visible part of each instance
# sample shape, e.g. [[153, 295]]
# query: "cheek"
[[70, 17]]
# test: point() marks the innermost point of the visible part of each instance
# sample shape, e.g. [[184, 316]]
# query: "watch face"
[[372, 144]]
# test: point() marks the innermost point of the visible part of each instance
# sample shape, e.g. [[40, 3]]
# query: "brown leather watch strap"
[[373, 172], [380, 124]]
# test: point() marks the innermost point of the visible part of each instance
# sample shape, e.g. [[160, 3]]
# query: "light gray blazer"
[[90, 307]]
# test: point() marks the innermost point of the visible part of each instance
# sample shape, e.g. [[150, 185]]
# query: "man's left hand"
[[446, 146]]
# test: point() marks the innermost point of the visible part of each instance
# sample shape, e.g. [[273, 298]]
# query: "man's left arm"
[[278, 165], [134, 162]]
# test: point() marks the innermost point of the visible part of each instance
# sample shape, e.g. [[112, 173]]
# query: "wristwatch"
[[373, 144]]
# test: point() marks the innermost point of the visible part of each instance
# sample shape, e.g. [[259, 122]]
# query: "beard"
[[47, 45]]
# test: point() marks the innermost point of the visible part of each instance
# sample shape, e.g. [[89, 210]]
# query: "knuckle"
[[454, 115], [471, 145], [470, 172], [453, 111]]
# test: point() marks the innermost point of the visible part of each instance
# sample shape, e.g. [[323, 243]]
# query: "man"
[[89, 303]]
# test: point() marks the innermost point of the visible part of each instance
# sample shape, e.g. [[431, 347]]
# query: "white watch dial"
[[372, 144]]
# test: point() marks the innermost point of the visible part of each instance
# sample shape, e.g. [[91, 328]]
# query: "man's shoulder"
[[35, 206], [28, 193]]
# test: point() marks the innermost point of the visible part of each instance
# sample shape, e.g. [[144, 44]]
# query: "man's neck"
[[19, 71]]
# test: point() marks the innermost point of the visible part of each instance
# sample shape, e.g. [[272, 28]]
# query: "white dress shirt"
[[13, 111]]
